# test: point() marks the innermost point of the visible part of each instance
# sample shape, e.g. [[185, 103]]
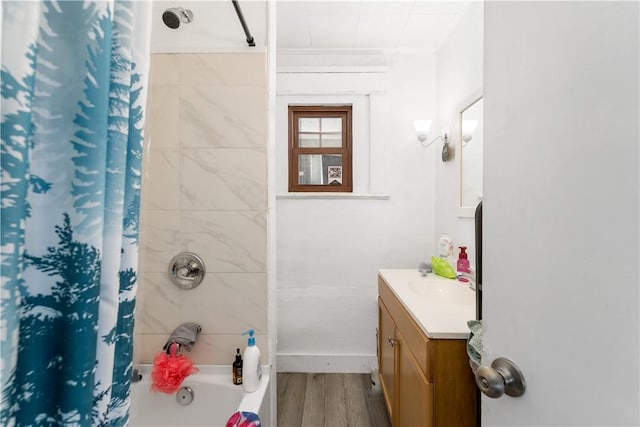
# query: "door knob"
[[502, 377]]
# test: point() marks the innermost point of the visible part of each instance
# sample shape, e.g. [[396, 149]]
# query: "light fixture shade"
[[468, 127], [422, 129]]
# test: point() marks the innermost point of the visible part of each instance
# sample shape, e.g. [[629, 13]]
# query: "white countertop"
[[441, 307]]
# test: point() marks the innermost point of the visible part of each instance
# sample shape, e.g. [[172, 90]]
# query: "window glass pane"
[[309, 140], [320, 169], [309, 124], [331, 124], [332, 140]]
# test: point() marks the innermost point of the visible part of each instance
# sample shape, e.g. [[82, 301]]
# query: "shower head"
[[174, 16]]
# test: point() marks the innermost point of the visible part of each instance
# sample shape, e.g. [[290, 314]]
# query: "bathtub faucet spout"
[[175, 345], [185, 335]]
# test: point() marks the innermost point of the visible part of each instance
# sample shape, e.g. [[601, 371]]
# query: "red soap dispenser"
[[463, 261]]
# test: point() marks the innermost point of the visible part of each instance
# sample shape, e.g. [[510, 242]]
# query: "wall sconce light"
[[468, 127], [422, 130]]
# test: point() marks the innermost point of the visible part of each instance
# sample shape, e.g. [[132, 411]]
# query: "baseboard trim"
[[326, 363]]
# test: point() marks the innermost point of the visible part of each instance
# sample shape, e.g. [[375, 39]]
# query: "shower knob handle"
[[186, 270], [189, 271]]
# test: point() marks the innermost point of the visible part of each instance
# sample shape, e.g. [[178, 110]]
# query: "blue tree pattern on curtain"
[[73, 91]]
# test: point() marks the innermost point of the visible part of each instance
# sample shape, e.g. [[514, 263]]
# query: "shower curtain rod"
[[250, 40]]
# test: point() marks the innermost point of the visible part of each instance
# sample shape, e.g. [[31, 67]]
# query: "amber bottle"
[[237, 368]]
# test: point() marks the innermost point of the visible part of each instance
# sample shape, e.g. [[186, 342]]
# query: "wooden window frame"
[[315, 111]]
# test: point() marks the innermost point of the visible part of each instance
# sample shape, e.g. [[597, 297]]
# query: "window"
[[320, 148]]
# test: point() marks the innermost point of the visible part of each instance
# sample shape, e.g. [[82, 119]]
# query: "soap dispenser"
[[463, 263], [252, 371]]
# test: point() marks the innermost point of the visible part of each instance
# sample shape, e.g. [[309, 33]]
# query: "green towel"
[[474, 343]]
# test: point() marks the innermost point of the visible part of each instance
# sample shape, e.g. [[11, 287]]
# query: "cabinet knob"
[[502, 377], [392, 341]]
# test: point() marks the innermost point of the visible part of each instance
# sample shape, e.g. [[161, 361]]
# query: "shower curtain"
[[73, 91]]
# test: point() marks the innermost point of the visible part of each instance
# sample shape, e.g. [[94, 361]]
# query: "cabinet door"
[[415, 393], [386, 356]]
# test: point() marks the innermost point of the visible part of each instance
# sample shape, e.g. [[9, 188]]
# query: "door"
[[561, 215]]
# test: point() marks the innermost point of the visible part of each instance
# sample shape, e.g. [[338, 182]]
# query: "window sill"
[[333, 196]]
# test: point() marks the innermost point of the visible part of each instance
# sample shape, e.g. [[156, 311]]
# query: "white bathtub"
[[216, 398]]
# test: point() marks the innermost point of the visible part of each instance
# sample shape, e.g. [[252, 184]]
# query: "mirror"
[[470, 158]]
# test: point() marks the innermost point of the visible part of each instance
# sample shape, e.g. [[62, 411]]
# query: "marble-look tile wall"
[[205, 191]]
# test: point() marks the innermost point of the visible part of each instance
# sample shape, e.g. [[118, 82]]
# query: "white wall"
[[562, 186], [329, 250], [459, 80]]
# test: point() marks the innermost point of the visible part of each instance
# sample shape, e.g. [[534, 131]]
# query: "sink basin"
[[445, 291]]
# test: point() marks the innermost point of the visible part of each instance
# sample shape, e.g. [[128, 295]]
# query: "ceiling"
[[366, 24], [351, 24]]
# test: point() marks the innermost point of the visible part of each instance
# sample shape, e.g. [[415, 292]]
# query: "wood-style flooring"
[[329, 400]]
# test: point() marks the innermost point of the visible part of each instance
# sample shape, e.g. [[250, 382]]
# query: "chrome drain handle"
[[184, 396]]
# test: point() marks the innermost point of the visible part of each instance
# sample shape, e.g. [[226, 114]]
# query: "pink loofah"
[[169, 370]]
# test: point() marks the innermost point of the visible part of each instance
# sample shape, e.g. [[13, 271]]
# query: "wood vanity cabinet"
[[425, 382]]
